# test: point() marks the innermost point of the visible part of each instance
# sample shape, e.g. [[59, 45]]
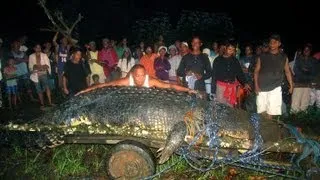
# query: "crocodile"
[[148, 113]]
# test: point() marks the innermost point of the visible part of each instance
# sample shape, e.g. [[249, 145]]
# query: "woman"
[[174, 60], [162, 65], [96, 66], [147, 61], [126, 62]]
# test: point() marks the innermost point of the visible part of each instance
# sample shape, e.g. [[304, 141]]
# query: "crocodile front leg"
[[174, 141]]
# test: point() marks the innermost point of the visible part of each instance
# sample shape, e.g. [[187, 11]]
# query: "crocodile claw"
[[160, 149], [164, 155]]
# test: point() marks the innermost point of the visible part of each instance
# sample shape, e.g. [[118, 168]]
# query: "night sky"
[[294, 21]]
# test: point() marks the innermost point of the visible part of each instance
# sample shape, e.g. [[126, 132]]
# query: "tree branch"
[[59, 16], [60, 26], [42, 3], [75, 23], [53, 29]]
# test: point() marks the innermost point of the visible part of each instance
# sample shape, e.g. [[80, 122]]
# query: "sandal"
[[52, 105], [42, 108]]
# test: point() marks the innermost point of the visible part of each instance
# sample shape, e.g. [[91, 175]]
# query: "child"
[[95, 79], [10, 72]]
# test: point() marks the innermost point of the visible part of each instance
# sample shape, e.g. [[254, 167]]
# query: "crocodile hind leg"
[[174, 141]]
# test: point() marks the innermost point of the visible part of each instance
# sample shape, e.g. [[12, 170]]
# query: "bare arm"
[[160, 84], [256, 75], [54, 40], [64, 82], [88, 80], [119, 82], [288, 75]]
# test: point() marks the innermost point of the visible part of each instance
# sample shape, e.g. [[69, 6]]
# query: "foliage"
[[207, 25], [307, 120], [149, 29]]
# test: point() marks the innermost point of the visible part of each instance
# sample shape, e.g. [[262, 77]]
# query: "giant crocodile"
[[150, 114]]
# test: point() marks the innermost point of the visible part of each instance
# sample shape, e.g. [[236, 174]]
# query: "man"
[[246, 61], [184, 49], [76, 75], [1, 62], [304, 74], [208, 82], [315, 91], [39, 65], [62, 54], [215, 49], [138, 77], [226, 74], [268, 76], [195, 67], [21, 61]]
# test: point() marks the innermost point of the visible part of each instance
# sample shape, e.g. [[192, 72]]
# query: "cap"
[[185, 43], [172, 47]]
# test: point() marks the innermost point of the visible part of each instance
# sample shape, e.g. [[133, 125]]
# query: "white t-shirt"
[[125, 67]]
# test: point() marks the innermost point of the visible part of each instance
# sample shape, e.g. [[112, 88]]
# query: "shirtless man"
[[138, 77]]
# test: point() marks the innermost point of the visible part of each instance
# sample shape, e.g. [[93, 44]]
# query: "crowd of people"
[[63, 69]]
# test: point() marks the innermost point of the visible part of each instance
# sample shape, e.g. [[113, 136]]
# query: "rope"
[[250, 159], [309, 146]]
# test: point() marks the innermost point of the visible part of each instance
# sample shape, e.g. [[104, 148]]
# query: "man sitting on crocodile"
[[139, 78]]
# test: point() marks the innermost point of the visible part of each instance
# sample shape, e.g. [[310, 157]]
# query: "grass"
[[68, 161], [89, 161]]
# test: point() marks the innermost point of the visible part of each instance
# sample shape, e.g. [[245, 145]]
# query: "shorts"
[[200, 85], [42, 84], [270, 101], [12, 90], [24, 84], [60, 68]]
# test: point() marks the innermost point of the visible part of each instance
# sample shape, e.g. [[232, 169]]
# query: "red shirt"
[[109, 58]]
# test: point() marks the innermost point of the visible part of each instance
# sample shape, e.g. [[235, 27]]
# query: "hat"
[[275, 37], [162, 47], [173, 47], [105, 40], [206, 51], [185, 43], [92, 43], [1, 41]]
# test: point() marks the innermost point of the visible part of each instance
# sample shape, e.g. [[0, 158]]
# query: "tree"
[[209, 26], [149, 29], [59, 23]]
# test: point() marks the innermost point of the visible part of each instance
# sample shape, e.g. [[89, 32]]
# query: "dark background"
[[295, 21]]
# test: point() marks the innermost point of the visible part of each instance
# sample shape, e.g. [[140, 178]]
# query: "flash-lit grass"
[[89, 161]]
